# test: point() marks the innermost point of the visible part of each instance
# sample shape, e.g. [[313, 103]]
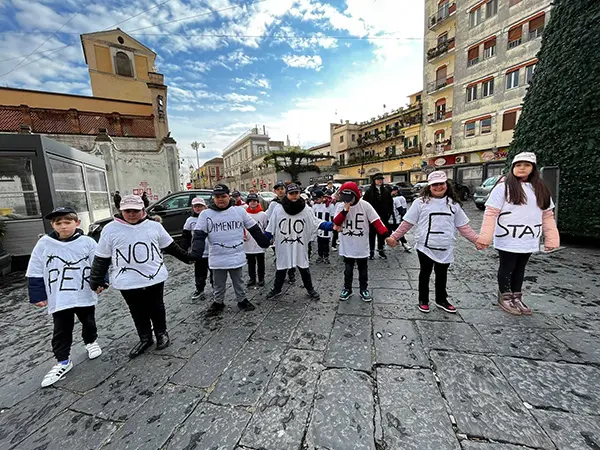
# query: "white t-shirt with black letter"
[[324, 212], [135, 252], [354, 237], [225, 236], [250, 245], [518, 227], [65, 267], [435, 223]]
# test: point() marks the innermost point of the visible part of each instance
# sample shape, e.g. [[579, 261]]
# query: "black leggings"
[[147, 309], [256, 259], [201, 272], [363, 274], [323, 246], [511, 271], [441, 277], [304, 273]]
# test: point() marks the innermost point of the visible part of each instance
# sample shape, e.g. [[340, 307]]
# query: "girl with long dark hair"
[[518, 211], [437, 214]]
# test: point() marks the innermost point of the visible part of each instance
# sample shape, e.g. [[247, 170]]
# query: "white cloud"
[[286, 35], [240, 98], [254, 80], [308, 62], [245, 108]]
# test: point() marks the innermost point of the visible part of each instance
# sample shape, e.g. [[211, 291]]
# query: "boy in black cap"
[[279, 190], [57, 277]]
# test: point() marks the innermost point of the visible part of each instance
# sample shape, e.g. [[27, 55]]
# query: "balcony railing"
[[472, 62], [535, 34], [515, 43], [439, 116], [444, 11], [530, 37], [440, 84], [441, 48]]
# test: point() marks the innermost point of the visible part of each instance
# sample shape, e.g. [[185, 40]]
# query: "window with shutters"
[[509, 120], [123, 65], [536, 27], [512, 79], [439, 136], [529, 70], [471, 93], [487, 88], [515, 36], [486, 125], [473, 56], [440, 110], [489, 48], [341, 139], [475, 17], [470, 129], [491, 8]]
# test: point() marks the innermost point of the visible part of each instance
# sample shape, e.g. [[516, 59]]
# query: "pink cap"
[[437, 176], [132, 202], [198, 201]]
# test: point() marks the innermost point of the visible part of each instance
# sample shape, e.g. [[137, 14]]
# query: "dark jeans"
[[363, 273], [334, 239], [255, 259], [323, 246], [201, 272], [511, 271], [64, 321], [441, 278], [147, 309], [304, 273], [380, 239]]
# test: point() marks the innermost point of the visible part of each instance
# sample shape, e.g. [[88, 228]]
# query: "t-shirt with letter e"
[[436, 221], [518, 227], [354, 236]]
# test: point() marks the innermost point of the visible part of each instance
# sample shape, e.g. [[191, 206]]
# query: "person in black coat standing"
[[380, 197], [117, 200], [145, 200]]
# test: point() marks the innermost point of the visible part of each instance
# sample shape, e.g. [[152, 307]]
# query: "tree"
[[295, 162], [561, 113]]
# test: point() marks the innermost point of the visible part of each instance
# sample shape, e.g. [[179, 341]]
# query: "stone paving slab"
[[342, 417], [155, 421], [244, 381], [281, 322], [350, 343], [498, 317], [472, 445], [483, 402], [128, 389], [355, 306], [397, 342], [210, 427], [451, 336], [413, 411], [411, 312], [280, 418], [18, 423], [393, 296], [312, 332], [569, 387], [585, 344], [571, 431], [70, 430]]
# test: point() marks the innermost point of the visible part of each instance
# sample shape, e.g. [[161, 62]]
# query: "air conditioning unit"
[[460, 160]]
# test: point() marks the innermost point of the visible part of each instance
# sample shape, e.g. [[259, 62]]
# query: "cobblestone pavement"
[[325, 375]]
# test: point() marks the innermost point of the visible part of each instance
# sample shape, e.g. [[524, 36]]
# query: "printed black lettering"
[[223, 226], [298, 226], [126, 258], [527, 230], [156, 251], [539, 230], [359, 221], [281, 226], [501, 226], [85, 276], [145, 252], [52, 280], [514, 228], [430, 231], [67, 278]]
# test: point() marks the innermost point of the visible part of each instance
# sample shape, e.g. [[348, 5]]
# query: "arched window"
[[123, 65]]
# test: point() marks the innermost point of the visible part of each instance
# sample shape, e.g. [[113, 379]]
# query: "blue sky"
[[291, 65]]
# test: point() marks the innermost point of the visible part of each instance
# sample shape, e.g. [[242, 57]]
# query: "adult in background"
[[145, 200], [380, 197], [117, 200]]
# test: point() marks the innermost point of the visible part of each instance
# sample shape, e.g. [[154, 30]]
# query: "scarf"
[[254, 210]]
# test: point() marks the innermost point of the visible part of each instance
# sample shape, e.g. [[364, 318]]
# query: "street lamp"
[[196, 145]]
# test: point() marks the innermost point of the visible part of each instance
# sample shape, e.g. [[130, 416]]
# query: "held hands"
[[391, 242], [481, 245], [546, 248], [41, 304], [337, 228]]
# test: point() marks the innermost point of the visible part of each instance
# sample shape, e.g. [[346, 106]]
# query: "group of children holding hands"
[[68, 269]]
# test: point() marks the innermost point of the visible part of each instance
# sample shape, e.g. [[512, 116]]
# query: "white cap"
[[437, 176], [198, 201], [132, 202], [525, 156]]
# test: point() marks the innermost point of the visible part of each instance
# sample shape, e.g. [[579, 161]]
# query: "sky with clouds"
[[293, 66]]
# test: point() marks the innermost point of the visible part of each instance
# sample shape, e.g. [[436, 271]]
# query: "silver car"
[[482, 192]]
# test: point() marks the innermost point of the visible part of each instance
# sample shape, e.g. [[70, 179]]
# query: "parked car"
[[323, 187], [268, 196], [174, 209], [407, 190], [483, 192], [461, 190]]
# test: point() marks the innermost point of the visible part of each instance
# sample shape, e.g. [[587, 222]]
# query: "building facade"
[[125, 121], [243, 161], [480, 60], [209, 174], [390, 144]]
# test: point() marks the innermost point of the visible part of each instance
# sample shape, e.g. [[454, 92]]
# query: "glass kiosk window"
[[18, 192]]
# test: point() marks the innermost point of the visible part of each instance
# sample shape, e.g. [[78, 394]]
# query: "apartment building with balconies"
[[243, 159], [494, 56]]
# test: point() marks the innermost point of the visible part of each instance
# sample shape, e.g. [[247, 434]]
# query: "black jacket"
[[381, 199]]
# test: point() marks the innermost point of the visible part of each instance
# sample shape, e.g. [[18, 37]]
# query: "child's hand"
[[337, 228], [41, 304], [100, 289], [546, 248], [481, 245], [391, 242]]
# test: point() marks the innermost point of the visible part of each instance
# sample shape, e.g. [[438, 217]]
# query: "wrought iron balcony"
[[441, 49], [440, 116], [440, 83], [444, 11]]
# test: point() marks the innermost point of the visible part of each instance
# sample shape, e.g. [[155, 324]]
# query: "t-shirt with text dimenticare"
[[354, 236], [436, 220], [225, 236], [65, 267], [518, 227], [135, 252]]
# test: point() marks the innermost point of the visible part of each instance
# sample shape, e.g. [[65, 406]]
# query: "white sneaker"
[[93, 350], [56, 373]]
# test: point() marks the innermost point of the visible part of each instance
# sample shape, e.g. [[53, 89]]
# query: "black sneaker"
[[214, 309], [246, 305], [197, 295], [345, 294], [366, 295], [273, 294], [162, 341], [371, 255], [314, 295], [319, 260], [251, 283], [140, 347], [334, 246], [446, 306], [382, 254], [261, 283], [292, 279]]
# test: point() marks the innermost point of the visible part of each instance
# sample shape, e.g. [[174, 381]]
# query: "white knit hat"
[[437, 176], [525, 156]]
